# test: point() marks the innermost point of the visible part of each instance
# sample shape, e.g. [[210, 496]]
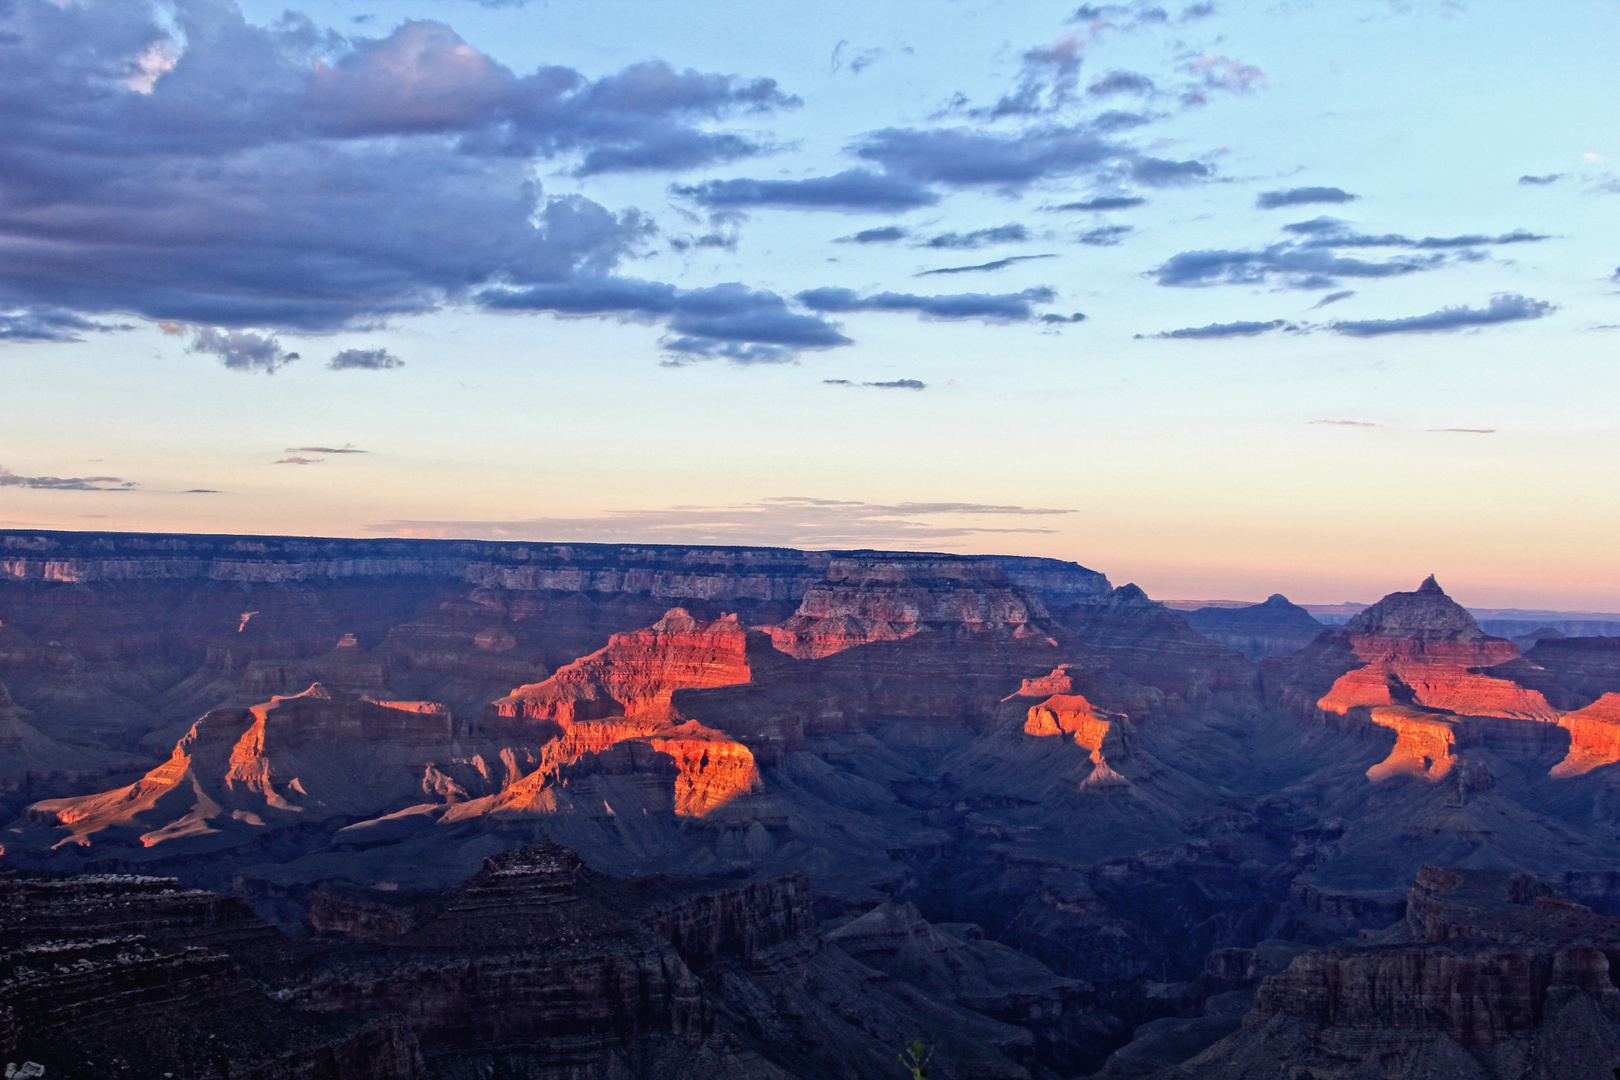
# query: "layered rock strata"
[[1490, 974]]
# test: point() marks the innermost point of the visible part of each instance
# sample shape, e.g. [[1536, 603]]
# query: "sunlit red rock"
[[1411, 649], [1594, 736], [636, 671], [1097, 730]]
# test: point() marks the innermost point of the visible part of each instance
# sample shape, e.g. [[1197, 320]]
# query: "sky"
[[1223, 298]]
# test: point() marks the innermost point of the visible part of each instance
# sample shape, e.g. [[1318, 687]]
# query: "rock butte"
[[579, 811]]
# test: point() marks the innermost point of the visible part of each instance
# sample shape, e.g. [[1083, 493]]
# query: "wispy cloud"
[[1011, 233], [1222, 330], [793, 521], [1334, 298], [1504, 307], [998, 264], [884, 234], [1273, 200], [1465, 430], [1102, 202], [297, 460], [65, 483], [346, 448], [893, 384], [1540, 180], [989, 307], [365, 360], [1346, 423]]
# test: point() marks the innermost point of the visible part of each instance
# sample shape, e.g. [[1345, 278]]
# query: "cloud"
[[1346, 423], [729, 321], [1104, 235], [1504, 307], [1547, 179], [1310, 258], [885, 234], [1074, 318], [1334, 298], [1046, 80], [1213, 71], [895, 384], [60, 483], [1301, 268], [998, 264], [1221, 330], [788, 521], [200, 491], [48, 324], [971, 157], [296, 460], [1272, 200], [196, 168], [990, 307], [1103, 202], [1002, 234], [1330, 232], [240, 350], [1465, 430], [852, 189], [1120, 82], [365, 360], [346, 448]]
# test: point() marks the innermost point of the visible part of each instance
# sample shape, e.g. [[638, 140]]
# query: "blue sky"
[[669, 272]]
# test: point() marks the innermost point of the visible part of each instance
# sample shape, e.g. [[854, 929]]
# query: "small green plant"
[[916, 1056]]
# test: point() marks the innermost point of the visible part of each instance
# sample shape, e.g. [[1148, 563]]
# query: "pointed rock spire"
[[1431, 586]]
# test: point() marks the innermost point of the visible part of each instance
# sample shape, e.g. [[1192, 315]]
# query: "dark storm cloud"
[[991, 307], [61, 483], [365, 360], [1506, 307], [230, 175], [47, 324], [852, 189], [728, 321], [1103, 202], [1223, 330], [1538, 180], [1120, 82], [998, 264], [1002, 234], [886, 234], [1272, 200], [240, 350]]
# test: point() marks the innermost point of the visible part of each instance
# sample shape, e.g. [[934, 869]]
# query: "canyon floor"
[[284, 807]]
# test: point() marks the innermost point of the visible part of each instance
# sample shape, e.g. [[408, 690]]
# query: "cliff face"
[[1490, 974], [113, 974]]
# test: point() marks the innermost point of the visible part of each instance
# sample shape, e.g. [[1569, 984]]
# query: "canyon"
[[457, 808]]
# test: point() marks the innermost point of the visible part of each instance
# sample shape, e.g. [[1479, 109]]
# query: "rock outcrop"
[[872, 599], [1273, 628], [1418, 649]]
